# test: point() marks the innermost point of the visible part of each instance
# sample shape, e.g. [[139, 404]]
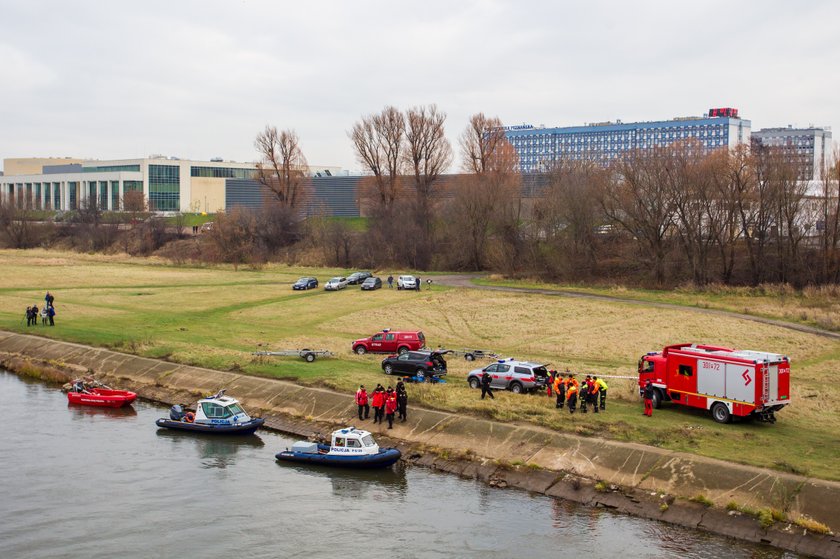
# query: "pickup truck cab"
[[390, 341]]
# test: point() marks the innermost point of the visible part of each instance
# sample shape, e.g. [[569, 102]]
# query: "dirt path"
[[466, 281]]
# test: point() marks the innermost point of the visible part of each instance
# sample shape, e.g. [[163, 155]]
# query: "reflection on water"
[[80, 412], [103, 482], [215, 451], [349, 483]]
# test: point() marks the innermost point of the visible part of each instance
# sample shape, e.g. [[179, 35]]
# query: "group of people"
[[385, 403], [47, 313], [569, 392]]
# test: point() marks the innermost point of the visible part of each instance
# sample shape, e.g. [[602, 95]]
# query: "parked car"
[[389, 341], [335, 284], [414, 362], [371, 283], [358, 277], [305, 283], [509, 374], [406, 282]]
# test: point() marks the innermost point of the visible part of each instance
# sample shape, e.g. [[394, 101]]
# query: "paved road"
[[465, 281]]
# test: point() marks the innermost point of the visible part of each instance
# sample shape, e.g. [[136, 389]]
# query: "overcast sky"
[[199, 79]]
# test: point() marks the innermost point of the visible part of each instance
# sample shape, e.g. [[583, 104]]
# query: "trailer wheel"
[[469, 357], [474, 383], [360, 349], [309, 357], [720, 412], [657, 398]]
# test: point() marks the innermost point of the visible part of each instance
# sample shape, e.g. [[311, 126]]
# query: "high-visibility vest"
[[601, 384], [572, 390]]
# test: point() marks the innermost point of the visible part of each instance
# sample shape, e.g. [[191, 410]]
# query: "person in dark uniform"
[[647, 393], [402, 401], [486, 379], [572, 397], [583, 396]]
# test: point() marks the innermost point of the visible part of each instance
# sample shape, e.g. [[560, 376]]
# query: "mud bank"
[[628, 478]]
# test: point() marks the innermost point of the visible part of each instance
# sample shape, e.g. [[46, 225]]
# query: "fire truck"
[[727, 382]]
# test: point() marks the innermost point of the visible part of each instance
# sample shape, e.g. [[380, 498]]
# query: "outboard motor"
[[176, 413]]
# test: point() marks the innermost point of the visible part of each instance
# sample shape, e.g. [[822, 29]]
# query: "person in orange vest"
[[602, 387], [362, 402], [390, 406], [560, 390], [572, 397], [647, 393], [378, 402]]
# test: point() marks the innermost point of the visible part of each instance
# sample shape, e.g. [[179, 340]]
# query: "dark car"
[[413, 362], [358, 277], [372, 283], [305, 283]]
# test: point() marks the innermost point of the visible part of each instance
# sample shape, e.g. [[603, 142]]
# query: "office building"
[[539, 149], [168, 184], [809, 148]]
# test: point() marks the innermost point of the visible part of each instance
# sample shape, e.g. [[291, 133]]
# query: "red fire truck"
[[727, 382]]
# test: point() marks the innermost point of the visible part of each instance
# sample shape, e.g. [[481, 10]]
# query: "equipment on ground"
[[308, 355], [471, 354]]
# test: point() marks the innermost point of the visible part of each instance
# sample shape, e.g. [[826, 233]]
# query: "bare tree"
[[639, 201], [491, 160], [283, 168], [379, 143]]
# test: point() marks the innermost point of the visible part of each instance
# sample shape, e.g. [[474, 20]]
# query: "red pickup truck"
[[390, 341]]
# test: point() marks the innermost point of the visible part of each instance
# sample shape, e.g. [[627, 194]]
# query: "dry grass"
[[216, 317]]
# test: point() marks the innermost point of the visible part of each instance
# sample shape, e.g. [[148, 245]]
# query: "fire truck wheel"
[[657, 398], [402, 350], [720, 412]]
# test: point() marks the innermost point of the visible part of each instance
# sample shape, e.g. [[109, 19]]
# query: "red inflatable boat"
[[102, 397]]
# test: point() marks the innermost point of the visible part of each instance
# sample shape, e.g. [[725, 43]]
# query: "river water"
[[88, 482]]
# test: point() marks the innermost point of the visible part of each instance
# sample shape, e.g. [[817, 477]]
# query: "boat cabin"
[[352, 441], [220, 410]]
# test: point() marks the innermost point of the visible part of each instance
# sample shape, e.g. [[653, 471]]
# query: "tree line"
[[660, 217]]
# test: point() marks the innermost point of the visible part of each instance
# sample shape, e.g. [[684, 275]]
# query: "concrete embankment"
[[634, 479]]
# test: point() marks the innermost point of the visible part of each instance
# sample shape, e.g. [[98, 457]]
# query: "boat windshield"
[[368, 440], [236, 409]]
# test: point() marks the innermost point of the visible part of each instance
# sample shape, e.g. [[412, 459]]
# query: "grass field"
[[215, 317]]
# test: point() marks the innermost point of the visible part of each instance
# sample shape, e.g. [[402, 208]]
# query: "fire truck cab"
[[727, 382]]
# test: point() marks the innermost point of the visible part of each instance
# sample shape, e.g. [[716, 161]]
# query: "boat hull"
[[215, 429], [100, 397], [382, 459]]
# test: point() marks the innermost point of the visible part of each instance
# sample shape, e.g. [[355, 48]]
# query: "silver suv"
[[509, 374]]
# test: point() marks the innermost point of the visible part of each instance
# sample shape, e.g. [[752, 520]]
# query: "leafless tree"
[[429, 155], [492, 181], [283, 168], [638, 200], [232, 237], [379, 142], [830, 210]]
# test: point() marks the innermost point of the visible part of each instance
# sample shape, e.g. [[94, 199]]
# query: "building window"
[[164, 187]]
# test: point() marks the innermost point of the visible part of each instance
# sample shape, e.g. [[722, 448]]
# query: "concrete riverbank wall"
[[626, 477]]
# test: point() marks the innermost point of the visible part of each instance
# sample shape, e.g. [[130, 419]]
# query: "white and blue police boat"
[[218, 414], [348, 448]]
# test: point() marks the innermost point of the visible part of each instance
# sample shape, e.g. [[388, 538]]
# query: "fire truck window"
[[389, 337], [647, 366], [685, 370]]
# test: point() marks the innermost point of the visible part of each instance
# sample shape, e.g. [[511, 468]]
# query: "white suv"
[[406, 282], [516, 376], [335, 284]]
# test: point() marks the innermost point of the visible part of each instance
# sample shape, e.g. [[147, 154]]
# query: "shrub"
[[702, 499], [811, 525]]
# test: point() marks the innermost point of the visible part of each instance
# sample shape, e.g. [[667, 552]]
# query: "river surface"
[[88, 482]]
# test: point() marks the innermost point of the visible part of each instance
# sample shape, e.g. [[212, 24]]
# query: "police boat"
[[218, 414], [349, 448]]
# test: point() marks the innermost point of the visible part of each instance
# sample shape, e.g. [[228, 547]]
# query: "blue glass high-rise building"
[[541, 148]]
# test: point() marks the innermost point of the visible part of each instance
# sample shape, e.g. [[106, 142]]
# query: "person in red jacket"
[[647, 394], [362, 402], [390, 406], [378, 402]]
